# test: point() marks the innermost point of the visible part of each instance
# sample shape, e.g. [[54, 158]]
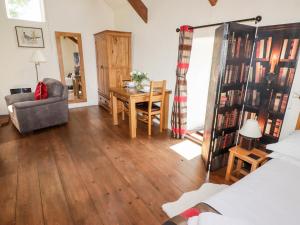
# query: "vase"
[[139, 86]]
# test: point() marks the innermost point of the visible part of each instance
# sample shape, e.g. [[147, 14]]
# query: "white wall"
[[155, 44], [84, 16]]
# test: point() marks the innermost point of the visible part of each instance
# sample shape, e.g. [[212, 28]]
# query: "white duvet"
[[268, 196]]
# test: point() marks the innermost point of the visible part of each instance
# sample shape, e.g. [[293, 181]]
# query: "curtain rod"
[[256, 19]]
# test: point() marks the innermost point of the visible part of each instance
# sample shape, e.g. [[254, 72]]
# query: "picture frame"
[[30, 37]]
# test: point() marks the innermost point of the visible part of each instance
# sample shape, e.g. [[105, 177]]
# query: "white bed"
[[269, 195]]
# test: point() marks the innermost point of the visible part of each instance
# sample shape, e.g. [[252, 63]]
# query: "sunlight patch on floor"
[[187, 149]]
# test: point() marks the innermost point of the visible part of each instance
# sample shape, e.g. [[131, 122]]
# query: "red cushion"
[[41, 91], [190, 213]]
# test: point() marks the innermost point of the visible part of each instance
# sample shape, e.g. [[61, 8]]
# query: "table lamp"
[[37, 58], [250, 132]]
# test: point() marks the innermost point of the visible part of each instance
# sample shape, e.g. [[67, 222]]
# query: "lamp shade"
[[251, 129], [38, 57]]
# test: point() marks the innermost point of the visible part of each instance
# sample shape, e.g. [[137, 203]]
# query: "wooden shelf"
[[232, 86], [238, 60], [276, 115], [224, 109], [227, 130], [251, 108]]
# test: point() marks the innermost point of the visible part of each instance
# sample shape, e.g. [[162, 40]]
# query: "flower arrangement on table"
[[139, 78]]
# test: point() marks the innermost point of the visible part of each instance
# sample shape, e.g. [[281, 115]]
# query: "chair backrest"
[[157, 93], [55, 87]]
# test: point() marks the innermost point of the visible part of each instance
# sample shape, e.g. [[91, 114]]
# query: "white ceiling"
[[114, 4]]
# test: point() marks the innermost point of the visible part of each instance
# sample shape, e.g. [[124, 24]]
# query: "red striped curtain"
[[179, 113]]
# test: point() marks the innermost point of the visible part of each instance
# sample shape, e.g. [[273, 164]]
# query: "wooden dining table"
[[133, 96]]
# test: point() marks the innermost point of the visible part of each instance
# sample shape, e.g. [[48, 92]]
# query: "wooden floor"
[[90, 172]]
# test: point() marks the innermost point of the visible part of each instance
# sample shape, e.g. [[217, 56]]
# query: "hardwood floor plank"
[[8, 182], [29, 208], [81, 205], [55, 207]]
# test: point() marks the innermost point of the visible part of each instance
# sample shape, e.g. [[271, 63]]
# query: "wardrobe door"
[[120, 59], [102, 64]]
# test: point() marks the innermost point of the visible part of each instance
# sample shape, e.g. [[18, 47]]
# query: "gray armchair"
[[28, 114]]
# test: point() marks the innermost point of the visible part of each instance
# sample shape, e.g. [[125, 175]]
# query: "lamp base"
[[247, 143]]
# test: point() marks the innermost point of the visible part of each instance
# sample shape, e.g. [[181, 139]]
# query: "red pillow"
[[190, 213], [41, 91]]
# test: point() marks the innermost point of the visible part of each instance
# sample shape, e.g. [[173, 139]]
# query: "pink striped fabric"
[[179, 112]]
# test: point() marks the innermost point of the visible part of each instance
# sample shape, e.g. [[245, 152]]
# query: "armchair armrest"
[[30, 104], [11, 99]]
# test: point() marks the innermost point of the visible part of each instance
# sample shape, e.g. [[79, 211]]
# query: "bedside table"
[[254, 157]]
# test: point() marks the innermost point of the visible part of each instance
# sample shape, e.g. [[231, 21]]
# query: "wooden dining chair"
[[152, 110]]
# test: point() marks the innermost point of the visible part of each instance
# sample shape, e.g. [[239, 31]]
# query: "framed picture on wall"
[[30, 37]]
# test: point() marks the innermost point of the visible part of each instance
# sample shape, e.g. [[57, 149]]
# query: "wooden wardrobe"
[[113, 55]]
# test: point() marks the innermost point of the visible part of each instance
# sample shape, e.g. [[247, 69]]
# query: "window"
[[31, 10]]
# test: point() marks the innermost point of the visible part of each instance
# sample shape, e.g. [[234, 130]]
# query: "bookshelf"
[[251, 77], [229, 75], [274, 66]]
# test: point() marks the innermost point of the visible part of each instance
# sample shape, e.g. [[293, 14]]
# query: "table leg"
[[166, 111], [115, 110], [254, 166], [132, 118], [229, 167]]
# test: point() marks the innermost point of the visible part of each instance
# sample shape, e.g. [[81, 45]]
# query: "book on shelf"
[[263, 48], [239, 46], [289, 49], [283, 71], [224, 141], [279, 102], [277, 128], [273, 127], [284, 103], [252, 97], [283, 50], [232, 75], [290, 78], [227, 120], [268, 126], [276, 102], [231, 97], [244, 73], [248, 115], [260, 72], [294, 49]]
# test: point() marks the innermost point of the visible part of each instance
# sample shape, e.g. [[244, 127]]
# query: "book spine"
[[269, 44], [283, 50], [294, 50]]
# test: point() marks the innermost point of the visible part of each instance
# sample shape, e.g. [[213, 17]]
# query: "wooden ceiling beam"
[[213, 2], [140, 9]]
